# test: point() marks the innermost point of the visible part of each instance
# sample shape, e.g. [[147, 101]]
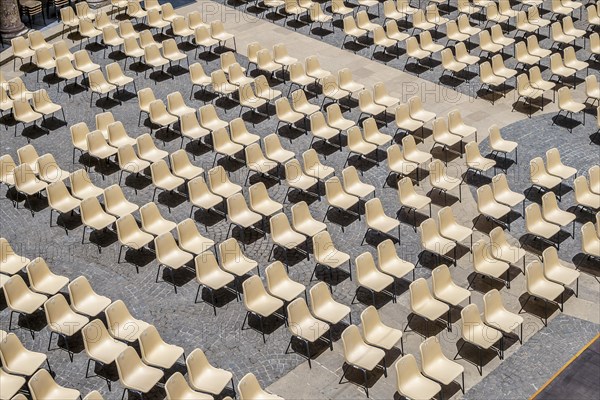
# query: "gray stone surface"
[[524, 372]]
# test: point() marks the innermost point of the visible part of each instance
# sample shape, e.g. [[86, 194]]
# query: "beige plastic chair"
[[390, 263], [129, 161], [94, 217], [541, 178], [7, 168], [210, 276], [82, 186], [592, 89], [433, 242], [411, 383], [131, 236], [163, 179], [117, 135], [205, 377], [500, 145], [347, 82], [42, 279], [83, 298], [240, 214], [551, 212], [27, 183], [441, 181], [148, 151], [445, 289], [449, 228], [209, 118], [354, 186], [497, 316], [475, 332], [376, 333], [10, 262], [320, 130], [314, 167], [156, 352], [502, 250], [412, 153], [49, 170], [200, 195], [414, 50], [24, 114], [263, 90], [537, 226], [177, 388], [280, 285], [555, 166], [250, 389], [62, 320], [485, 264], [490, 208], [43, 386], [261, 202], [327, 255], [423, 304], [17, 90], [304, 222], [98, 147], [539, 287], [60, 200], [198, 78], [410, 199], [303, 326], [396, 162], [297, 179], [336, 119], [134, 375], [360, 355], [257, 162], [584, 197], [378, 221], [202, 38], [339, 199], [28, 155], [182, 166], [170, 256], [437, 366], [21, 300], [11, 385], [314, 69], [568, 105], [275, 151], [121, 324], [191, 129], [16, 359], [590, 242], [233, 260], [259, 303], [219, 183], [176, 105], [285, 114], [372, 279], [462, 55], [594, 178], [152, 220], [190, 239]]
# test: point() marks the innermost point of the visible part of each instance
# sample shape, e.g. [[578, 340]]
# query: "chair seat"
[[303, 182], [493, 268], [164, 357], [122, 209], [290, 239], [138, 240], [509, 198], [331, 313], [431, 309], [504, 321], [210, 379], [91, 305], [453, 294], [343, 201], [482, 336], [376, 281], [169, 182], [100, 221], [543, 229], [384, 223], [69, 324], [496, 211], [176, 259], [508, 254], [50, 285], [265, 305], [246, 218], [11, 384], [443, 370], [287, 291], [420, 388], [229, 148], [365, 356], [562, 275], [26, 363], [143, 379]]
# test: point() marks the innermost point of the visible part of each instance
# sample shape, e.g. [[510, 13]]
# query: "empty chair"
[[354, 186], [500, 145], [372, 279], [503, 194], [257, 162], [233, 260], [485, 264], [121, 324], [551, 212], [475, 332], [437, 366], [152, 220], [338, 198], [24, 114], [297, 179], [412, 153], [434, 242], [539, 287], [116, 203], [584, 197], [82, 186], [489, 207], [129, 161], [162, 178], [11, 385], [445, 289], [117, 136], [423, 304], [200, 195], [210, 276], [537, 226], [555, 167], [451, 229], [541, 178], [376, 333], [219, 183], [303, 325], [497, 316], [397, 164], [285, 237], [411, 200], [177, 387], [378, 221], [84, 300], [169, 255], [134, 374], [43, 386], [275, 151], [62, 320], [156, 352], [360, 355], [280, 285], [441, 181], [250, 389], [502, 250], [590, 242], [259, 303], [182, 166], [94, 217], [205, 377], [304, 222], [411, 383], [20, 299], [314, 167], [42, 279], [209, 118], [16, 359]]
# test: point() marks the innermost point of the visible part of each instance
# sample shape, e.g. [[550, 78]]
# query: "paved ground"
[[191, 325]]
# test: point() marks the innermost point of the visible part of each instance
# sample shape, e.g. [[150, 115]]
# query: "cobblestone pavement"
[[467, 81], [176, 317]]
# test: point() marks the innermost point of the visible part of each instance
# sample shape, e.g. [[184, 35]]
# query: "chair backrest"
[[176, 386], [352, 341], [58, 310], [492, 303], [253, 291], [276, 274], [406, 372], [365, 265], [419, 293], [431, 352], [165, 244], [27, 155], [103, 120], [249, 388]]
